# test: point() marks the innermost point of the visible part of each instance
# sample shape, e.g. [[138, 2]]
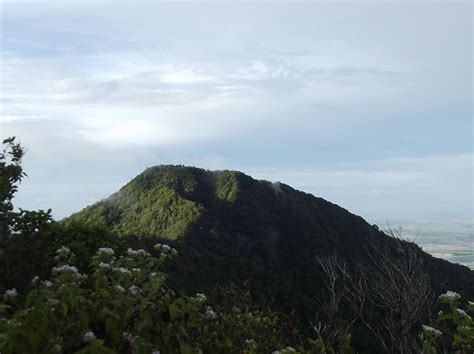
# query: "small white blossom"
[[89, 336], [432, 330], [276, 352], [136, 270], [104, 266], [124, 271], [201, 297], [63, 251], [290, 349], [36, 229], [106, 251], [249, 341], [10, 294], [134, 290], [155, 351], [120, 288], [35, 280], [47, 283], [139, 252], [131, 252], [67, 269], [450, 295], [471, 303], [210, 313], [162, 247], [463, 313]]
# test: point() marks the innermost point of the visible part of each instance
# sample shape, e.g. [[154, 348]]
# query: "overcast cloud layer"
[[368, 105]]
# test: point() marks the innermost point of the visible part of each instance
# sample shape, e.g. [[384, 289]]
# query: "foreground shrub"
[[122, 305], [453, 329]]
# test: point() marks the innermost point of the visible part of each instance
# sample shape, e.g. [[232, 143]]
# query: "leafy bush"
[[454, 327], [123, 306]]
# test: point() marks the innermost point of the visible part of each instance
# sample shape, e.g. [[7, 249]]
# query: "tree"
[[389, 293], [11, 174], [331, 324]]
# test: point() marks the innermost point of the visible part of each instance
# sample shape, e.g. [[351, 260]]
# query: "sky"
[[366, 104]]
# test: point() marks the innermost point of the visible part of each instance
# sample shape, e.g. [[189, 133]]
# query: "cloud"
[[169, 104], [363, 103]]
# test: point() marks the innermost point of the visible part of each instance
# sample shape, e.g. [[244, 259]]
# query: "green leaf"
[[174, 311], [185, 348], [106, 311]]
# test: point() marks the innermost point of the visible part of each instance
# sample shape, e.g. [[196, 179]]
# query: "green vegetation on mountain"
[[157, 208], [227, 225], [282, 271]]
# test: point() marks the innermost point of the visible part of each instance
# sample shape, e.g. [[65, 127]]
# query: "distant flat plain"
[[449, 236]]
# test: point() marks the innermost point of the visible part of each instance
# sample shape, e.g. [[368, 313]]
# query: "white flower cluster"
[[165, 248], [201, 297], [89, 336], [432, 330], [139, 252], [10, 294], [106, 251], [63, 251], [47, 283], [463, 313], [104, 266], [68, 269], [134, 290], [120, 288], [154, 275], [450, 295], [249, 341], [123, 271], [210, 313]]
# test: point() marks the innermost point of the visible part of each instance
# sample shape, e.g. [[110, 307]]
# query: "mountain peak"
[[229, 227]]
